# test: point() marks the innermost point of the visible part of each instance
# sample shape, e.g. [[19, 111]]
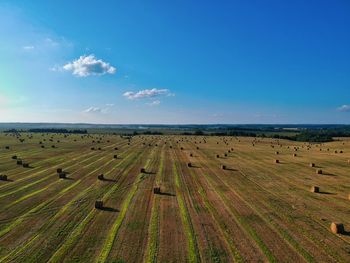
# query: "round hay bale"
[[225, 154], [100, 177], [191, 155], [189, 164], [276, 161], [337, 228], [294, 155], [14, 157], [59, 170], [312, 165], [315, 189], [277, 153], [115, 156], [98, 204], [217, 156], [319, 171], [223, 167], [142, 170], [3, 177], [156, 190]]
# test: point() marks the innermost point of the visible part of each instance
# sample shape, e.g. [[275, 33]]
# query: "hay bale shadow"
[[149, 172], [326, 193], [9, 180], [109, 180], [329, 174], [167, 194], [109, 209], [346, 233], [231, 169], [68, 178]]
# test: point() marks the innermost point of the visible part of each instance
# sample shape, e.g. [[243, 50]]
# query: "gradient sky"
[[169, 62]]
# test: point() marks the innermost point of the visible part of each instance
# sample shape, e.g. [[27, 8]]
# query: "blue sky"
[[175, 61]]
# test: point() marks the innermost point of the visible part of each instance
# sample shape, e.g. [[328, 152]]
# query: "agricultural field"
[[220, 199]]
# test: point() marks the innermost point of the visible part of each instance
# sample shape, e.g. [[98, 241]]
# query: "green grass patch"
[[186, 221]]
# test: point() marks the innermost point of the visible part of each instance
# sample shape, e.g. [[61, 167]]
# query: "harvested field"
[[214, 204]]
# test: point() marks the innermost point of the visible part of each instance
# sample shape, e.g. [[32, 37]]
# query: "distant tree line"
[[79, 131], [147, 133], [49, 130], [307, 136], [13, 131], [303, 136]]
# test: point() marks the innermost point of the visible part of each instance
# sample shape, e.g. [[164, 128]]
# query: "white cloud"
[[154, 103], [56, 68], [88, 65], [49, 41], [216, 115], [344, 108], [109, 104], [28, 47], [147, 93], [93, 110]]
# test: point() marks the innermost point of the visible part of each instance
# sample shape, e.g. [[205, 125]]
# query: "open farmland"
[[221, 199]]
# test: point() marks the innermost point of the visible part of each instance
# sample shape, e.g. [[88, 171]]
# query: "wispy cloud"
[[154, 103], [147, 93], [51, 42], [89, 65], [28, 47], [216, 115], [344, 108], [93, 110]]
